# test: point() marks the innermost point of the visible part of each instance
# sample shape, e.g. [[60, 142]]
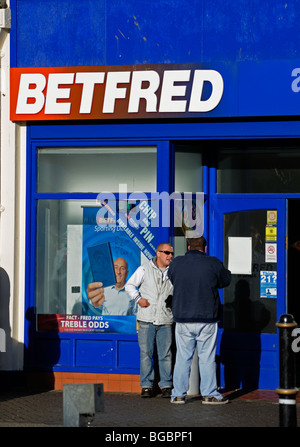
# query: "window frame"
[[68, 342]]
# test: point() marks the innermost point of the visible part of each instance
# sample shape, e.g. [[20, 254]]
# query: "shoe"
[[166, 392], [211, 400], [178, 400], [146, 392]]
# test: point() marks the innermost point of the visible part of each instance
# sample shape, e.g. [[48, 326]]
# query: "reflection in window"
[[258, 170], [243, 309], [59, 242], [96, 169], [188, 178]]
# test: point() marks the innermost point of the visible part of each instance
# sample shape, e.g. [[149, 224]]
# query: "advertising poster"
[[112, 249], [115, 238], [268, 284]]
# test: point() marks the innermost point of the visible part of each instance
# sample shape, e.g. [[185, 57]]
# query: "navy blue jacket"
[[196, 279]]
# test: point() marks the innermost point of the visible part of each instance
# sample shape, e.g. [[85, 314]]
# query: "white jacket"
[[149, 282]]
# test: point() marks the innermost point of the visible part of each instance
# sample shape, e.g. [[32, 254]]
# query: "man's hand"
[[143, 302], [95, 293]]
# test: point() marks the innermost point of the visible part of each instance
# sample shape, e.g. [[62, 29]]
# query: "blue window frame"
[[89, 352]]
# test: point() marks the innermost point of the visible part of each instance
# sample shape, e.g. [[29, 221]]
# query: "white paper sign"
[[240, 255]]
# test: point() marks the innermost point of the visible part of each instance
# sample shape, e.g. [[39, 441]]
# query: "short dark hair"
[[197, 243]]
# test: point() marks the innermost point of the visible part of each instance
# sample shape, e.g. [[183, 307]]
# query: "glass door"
[[250, 239]]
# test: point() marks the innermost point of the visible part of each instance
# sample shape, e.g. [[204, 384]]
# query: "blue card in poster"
[[101, 263]]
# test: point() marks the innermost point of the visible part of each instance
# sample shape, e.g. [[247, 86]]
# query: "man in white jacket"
[[150, 287]]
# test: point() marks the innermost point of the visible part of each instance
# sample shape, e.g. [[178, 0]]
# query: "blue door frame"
[[251, 354]]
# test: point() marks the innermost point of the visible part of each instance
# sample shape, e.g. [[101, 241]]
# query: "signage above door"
[[184, 91], [114, 92]]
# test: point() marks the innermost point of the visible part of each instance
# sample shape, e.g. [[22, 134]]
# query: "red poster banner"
[[86, 323]]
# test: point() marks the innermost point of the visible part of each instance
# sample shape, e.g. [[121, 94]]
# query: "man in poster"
[[113, 300]]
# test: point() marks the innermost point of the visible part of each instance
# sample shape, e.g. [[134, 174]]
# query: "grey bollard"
[[80, 403]]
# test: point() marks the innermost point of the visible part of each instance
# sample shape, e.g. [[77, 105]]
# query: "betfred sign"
[[114, 92]]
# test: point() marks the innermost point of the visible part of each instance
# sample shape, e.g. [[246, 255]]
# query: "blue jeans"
[[188, 336], [148, 335]]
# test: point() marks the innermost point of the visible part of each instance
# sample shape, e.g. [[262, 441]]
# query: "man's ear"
[[205, 249]]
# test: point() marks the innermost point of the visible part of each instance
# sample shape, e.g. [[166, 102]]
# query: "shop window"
[[189, 179], [69, 229], [188, 170], [258, 170], [59, 256], [97, 169]]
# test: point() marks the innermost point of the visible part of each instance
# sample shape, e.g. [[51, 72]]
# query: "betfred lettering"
[[106, 92]]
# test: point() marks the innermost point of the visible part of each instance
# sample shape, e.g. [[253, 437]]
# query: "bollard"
[[287, 390], [81, 402]]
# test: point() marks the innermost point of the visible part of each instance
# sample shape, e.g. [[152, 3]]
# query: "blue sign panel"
[[268, 284]]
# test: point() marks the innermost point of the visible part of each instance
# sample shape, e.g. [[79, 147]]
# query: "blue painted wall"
[[120, 32]]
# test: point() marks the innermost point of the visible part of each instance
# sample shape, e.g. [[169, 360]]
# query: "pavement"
[[129, 413]]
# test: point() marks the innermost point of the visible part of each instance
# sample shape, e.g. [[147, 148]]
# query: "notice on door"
[[272, 217], [271, 233], [268, 284], [271, 252], [240, 255]]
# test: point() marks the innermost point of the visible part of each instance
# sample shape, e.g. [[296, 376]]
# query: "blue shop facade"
[[133, 102]]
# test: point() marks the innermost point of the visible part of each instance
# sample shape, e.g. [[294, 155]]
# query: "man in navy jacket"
[[196, 278]]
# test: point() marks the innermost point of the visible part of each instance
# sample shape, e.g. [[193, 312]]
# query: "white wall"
[[12, 222]]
